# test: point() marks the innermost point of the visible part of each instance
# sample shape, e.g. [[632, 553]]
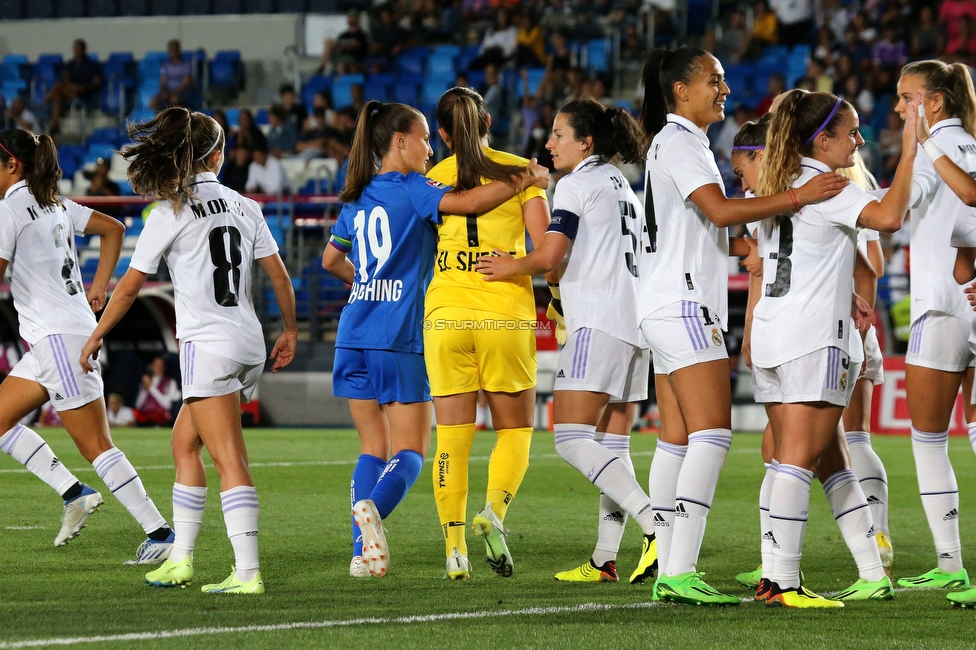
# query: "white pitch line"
[[313, 625]]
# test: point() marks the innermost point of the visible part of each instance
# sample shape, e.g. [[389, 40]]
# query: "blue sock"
[[400, 473], [364, 476]]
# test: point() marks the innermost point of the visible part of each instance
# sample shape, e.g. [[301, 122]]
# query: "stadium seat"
[[140, 115], [50, 60], [227, 74], [39, 9], [12, 9], [378, 90], [341, 89], [98, 150], [122, 266], [70, 8], [261, 117], [432, 91], [535, 76], [441, 65], [15, 59], [451, 51], [598, 55], [259, 6], [410, 63], [315, 84], [103, 8], [233, 116], [228, 7], [166, 7], [406, 93]]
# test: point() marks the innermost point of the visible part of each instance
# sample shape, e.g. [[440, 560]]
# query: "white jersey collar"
[[13, 188], [949, 121], [688, 125], [205, 177], [815, 165], [583, 163]]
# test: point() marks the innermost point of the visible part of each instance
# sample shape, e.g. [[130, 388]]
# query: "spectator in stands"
[[763, 30], [794, 21], [963, 47], [347, 53], [248, 133], [119, 415], [951, 15], [158, 395], [538, 136], [890, 143], [494, 91], [386, 40], [20, 117], [358, 96], [530, 41], [81, 80], [49, 416], [102, 185], [558, 64], [857, 49], [295, 109], [175, 79], [498, 45], [776, 87], [235, 170], [732, 45], [890, 52], [230, 138], [817, 70], [265, 175], [725, 136], [283, 136], [926, 35]]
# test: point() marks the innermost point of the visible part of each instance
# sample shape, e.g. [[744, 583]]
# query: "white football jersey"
[[689, 255], [865, 235], [808, 276], [209, 247], [45, 281], [935, 210], [599, 286]]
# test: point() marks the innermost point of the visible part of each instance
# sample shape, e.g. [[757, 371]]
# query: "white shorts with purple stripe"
[[825, 375], [54, 364], [597, 362], [205, 374], [940, 341], [683, 334]]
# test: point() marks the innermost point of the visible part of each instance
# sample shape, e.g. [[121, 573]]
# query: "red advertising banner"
[[889, 409]]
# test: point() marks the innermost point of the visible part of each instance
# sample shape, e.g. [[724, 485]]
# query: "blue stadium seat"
[[535, 76], [466, 56], [70, 151], [410, 63], [315, 84], [141, 115], [476, 78], [108, 135], [227, 73], [441, 65], [9, 72], [39, 9], [11, 9], [98, 150], [15, 59], [70, 8], [233, 116], [134, 8], [378, 90], [122, 266], [165, 7], [103, 8], [432, 91], [228, 7], [259, 6], [773, 53], [50, 59], [341, 89], [447, 50], [261, 117], [598, 55], [406, 93], [738, 78]]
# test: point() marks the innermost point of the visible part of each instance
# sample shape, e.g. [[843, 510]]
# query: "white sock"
[[575, 445], [788, 508], [853, 516], [120, 476], [188, 503], [940, 495], [480, 415], [870, 472], [662, 484], [696, 489], [971, 427], [240, 505], [613, 519], [765, 523], [30, 450]]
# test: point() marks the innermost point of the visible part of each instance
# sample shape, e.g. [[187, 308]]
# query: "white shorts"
[[940, 341], [596, 362], [683, 334], [825, 375], [874, 372], [206, 374], [54, 364]]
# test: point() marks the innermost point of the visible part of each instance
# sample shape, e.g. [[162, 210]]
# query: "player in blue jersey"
[[383, 245]]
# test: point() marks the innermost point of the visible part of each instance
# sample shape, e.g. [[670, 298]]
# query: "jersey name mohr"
[[216, 206]]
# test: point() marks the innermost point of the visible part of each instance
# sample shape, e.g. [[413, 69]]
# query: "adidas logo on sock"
[[560, 374], [679, 511], [945, 556], [952, 514], [870, 532], [768, 537], [55, 463], [58, 396], [660, 521], [614, 516], [874, 501]]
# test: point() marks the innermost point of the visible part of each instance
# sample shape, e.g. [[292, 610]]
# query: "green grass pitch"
[[83, 591]]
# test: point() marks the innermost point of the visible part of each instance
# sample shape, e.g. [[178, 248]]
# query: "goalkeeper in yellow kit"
[[480, 335]]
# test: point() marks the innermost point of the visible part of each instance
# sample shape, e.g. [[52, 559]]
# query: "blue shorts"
[[381, 375]]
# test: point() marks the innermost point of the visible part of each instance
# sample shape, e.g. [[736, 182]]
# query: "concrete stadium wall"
[[302, 399], [259, 37]]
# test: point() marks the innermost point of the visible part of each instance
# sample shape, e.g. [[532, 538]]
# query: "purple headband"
[[823, 126], [748, 147]]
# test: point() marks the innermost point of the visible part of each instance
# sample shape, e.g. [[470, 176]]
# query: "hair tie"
[[823, 126], [12, 156], [220, 132], [748, 147]]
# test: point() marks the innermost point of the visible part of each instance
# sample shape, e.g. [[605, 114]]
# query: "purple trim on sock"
[[11, 438], [837, 478]]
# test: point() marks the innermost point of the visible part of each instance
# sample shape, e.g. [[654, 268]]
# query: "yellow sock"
[[451, 481], [509, 460]]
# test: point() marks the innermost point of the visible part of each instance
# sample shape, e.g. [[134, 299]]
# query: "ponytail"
[[955, 85], [751, 137], [614, 131], [170, 150], [463, 115], [375, 126], [662, 70], [800, 117], [38, 157]]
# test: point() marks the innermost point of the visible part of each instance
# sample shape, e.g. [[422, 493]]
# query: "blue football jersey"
[[390, 237]]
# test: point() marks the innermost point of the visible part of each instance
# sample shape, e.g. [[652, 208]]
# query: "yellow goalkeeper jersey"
[[463, 238]]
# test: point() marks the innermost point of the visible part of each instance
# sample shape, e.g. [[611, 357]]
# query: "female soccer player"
[[939, 357], [37, 230], [209, 236], [684, 297], [602, 370], [499, 358], [807, 286], [387, 230]]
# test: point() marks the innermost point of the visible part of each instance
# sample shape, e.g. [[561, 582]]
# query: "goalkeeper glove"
[[555, 314]]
